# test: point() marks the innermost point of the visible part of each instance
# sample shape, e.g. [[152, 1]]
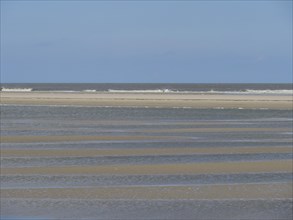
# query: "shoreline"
[[164, 100]]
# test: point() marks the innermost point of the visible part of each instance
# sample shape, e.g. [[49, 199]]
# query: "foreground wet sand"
[[196, 168], [142, 151], [136, 163], [60, 138], [232, 191]]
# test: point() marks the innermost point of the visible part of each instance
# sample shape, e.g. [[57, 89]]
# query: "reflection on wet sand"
[[154, 164]]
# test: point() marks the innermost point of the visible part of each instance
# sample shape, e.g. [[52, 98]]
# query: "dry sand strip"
[[56, 138], [230, 191], [150, 100], [142, 151], [152, 169]]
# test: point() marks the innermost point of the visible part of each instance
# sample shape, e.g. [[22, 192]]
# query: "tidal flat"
[[96, 156]]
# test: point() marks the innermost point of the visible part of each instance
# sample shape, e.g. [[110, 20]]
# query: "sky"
[[146, 41]]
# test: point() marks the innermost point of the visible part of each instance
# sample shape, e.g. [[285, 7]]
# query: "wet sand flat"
[[232, 191], [131, 163], [57, 138], [177, 130], [143, 151], [223, 129], [62, 138], [152, 169], [150, 100]]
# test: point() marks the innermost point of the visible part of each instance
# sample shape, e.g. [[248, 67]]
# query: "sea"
[[224, 88], [169, 130]]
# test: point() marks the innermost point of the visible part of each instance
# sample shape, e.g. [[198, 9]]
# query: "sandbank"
[[163, 100], [227, 191], [56, 138], [152, 169], [141, 151], [219, 129]]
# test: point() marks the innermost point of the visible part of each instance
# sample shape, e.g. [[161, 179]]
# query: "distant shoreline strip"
[[197, 101]]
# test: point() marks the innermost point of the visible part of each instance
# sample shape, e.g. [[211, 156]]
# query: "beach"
[[146, 110], [107, 155], [162, 100]]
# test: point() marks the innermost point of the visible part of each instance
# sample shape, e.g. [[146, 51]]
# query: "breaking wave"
[[245, 92], [161, 91], [253, 92], [16, 89], [89, 90], [143, 91]]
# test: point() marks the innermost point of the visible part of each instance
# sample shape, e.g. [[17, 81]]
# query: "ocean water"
[[226, 88], [170, 129]]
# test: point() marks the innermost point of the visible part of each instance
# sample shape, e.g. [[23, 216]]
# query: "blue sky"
[[146, 41]]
